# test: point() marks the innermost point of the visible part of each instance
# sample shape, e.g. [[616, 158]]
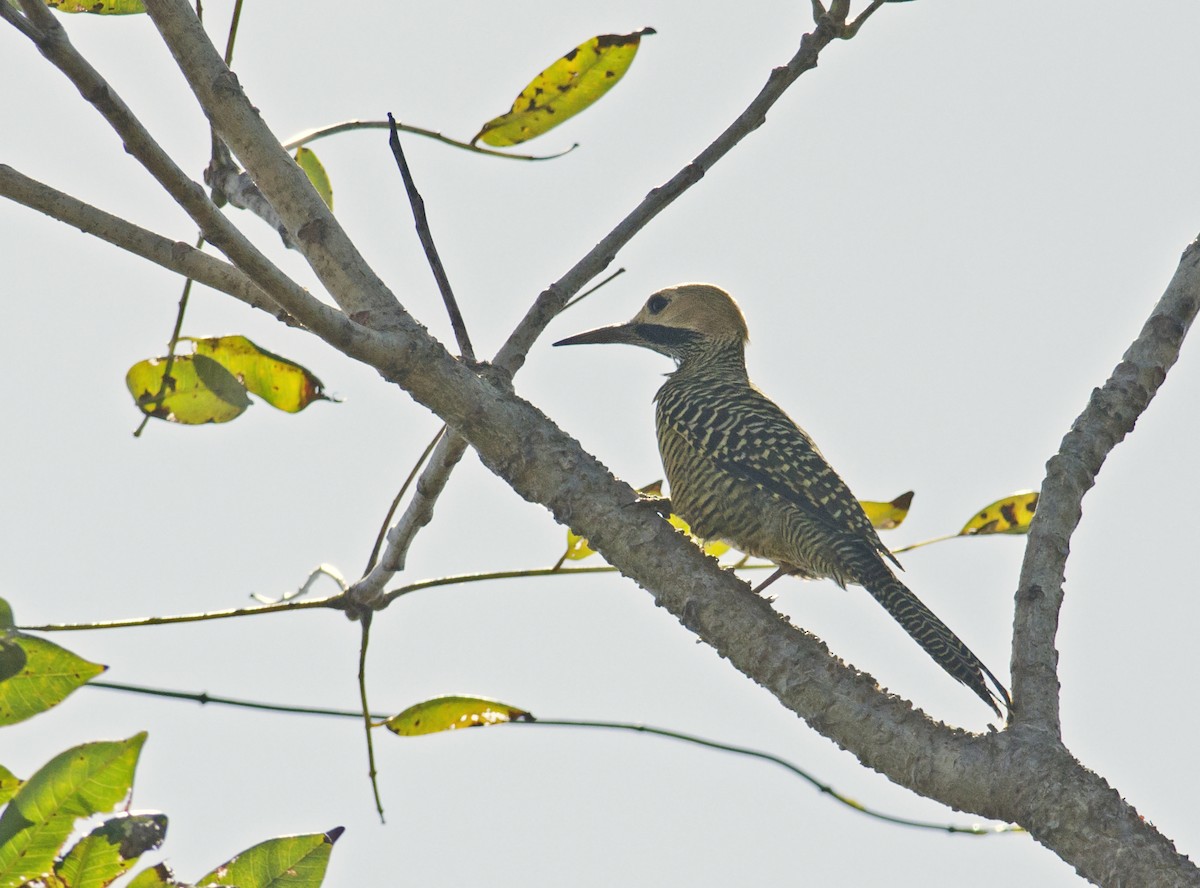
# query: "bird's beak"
[[626, 334]]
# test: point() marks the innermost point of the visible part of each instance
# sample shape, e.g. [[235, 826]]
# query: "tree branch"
[[215, 228], [1023, 774], [317, 234], [235, 186], [20, 22], [1109, 416], [544, 465], [173, 255], [551, 301], [555, 297]]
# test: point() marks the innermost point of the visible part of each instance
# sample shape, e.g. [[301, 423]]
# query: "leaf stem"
[[349, 125], [372, 774]]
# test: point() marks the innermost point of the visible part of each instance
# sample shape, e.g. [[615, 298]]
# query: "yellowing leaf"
[[564, 89], [577, 547], [888, 516], [316, 174], [99, 7], [716, 548], [211, 385], [451, 714], [199, 390], [283, 384], [1009, 515]]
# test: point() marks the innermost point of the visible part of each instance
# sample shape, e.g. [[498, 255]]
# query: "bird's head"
[[678, 322]]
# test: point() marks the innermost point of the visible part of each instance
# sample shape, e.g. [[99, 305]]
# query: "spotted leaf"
[[283, 384], [568, 86], [888, 516], [453, 713], [1009, 515], [99, 7]]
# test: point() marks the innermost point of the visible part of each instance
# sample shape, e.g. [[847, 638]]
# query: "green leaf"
[[86, 780], [111, 849], [453, 713], [1012, 514], [12, 657], [568, 86], [159, 876], [199, 390], [50, 674], [283, 384], [292, 861], [9, 784], [315, 170], [99, 7]]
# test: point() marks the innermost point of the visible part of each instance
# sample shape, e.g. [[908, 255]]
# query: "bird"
[[742, 471]]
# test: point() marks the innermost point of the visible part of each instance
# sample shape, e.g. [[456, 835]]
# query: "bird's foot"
[[779, 572]]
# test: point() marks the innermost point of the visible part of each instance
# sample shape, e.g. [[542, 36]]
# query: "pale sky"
[[943, 238]]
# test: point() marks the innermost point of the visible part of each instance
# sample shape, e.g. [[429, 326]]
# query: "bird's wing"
[[766, 447]]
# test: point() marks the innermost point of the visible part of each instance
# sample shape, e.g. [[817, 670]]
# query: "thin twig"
[[172, 344], [234, 20], [289, 603], [205, 698], [431, 254], [387, 519], [372, 774], [458, 579], [349, 125], [852, 28], [334, 602], [321, 570], [216, 228], [447, 453], [345, 274], [590, 290], [549, 303], [928, 542]]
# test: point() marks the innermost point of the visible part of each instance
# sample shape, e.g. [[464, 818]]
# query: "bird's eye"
[[656, 303]]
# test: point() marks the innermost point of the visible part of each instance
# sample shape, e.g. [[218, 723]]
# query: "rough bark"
[[1023, 773]]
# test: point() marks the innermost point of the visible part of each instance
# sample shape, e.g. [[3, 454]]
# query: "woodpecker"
[[740, 470]]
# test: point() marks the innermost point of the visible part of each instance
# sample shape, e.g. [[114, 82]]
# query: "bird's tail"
[[937, 639]]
